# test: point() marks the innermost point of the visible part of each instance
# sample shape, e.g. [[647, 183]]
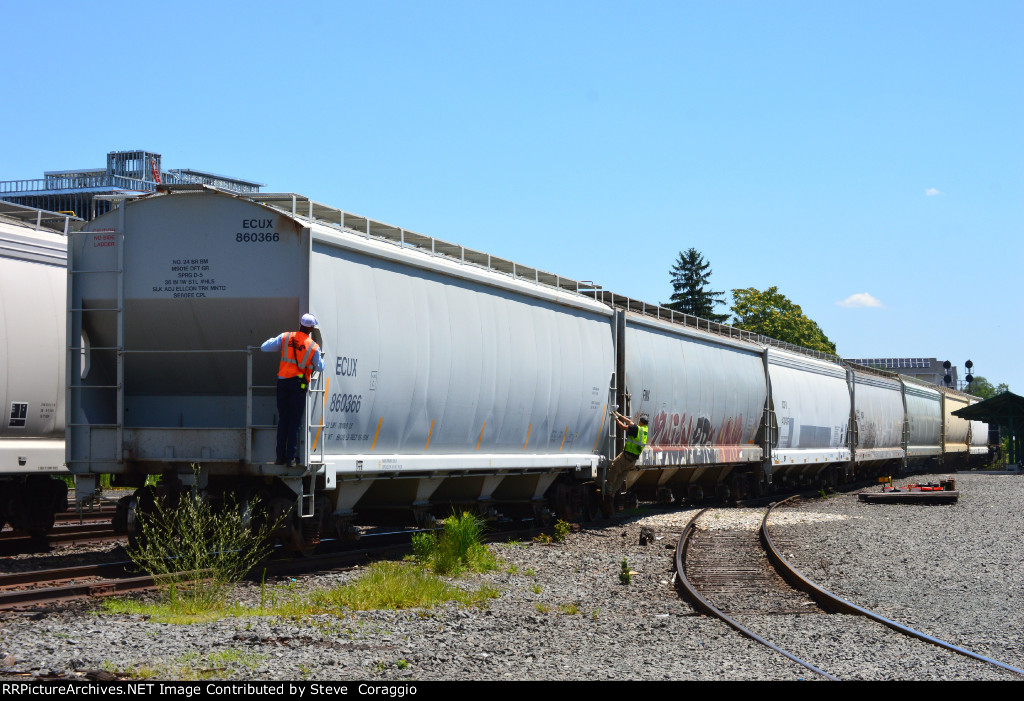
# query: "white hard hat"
[[308, 320]]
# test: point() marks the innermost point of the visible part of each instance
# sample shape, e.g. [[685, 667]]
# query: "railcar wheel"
[[297, 535], [738, 486], [141, 505], [594, 505], [40, 532], [754, 485]]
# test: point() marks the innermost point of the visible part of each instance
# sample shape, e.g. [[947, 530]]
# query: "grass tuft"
[[457, 548], [396, 585]]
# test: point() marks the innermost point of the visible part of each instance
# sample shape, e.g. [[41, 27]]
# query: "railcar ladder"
[[314, 442], [905, 440], [74, 380]]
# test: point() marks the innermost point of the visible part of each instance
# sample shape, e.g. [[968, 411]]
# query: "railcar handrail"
[[301, 207]]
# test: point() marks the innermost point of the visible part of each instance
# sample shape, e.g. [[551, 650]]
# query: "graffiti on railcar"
[[679, 439]]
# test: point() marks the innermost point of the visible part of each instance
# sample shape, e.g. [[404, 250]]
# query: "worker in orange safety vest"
[[300, 356]]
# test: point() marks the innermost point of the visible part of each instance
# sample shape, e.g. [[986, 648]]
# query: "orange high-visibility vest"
[[297, 351]]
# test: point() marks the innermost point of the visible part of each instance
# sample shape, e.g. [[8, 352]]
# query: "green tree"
[[773, 314], [981, 387], [690, 294]]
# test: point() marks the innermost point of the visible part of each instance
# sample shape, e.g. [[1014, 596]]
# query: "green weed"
[[196, 553], [396, 585], [625, 575], [457, 548]]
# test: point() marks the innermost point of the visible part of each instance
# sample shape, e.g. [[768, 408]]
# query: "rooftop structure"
[[927, 369], [39, 219], [74, 191]]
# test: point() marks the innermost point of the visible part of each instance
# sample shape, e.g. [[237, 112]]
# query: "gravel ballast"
[[955, 572]]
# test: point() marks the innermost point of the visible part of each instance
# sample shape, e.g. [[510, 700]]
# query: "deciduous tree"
[[981, 387], [773, 314]]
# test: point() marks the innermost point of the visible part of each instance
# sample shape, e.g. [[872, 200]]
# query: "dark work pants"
[[291, 407]]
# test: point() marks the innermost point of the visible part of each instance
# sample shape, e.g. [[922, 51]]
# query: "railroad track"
[[37, 588], [741, 577], [65, 534]]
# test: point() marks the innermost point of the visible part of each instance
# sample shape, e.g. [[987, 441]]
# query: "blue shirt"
[[274, 344]]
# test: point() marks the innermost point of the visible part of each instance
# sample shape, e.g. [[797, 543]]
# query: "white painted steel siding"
[[431, 364], [879, 411], [979, 434], [811, 400], [423, 363], [924, 413], [704, 397], [33, 285]]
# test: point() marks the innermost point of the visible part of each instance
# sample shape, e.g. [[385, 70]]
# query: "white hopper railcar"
[[809, 414], [446, 381], [878, 417], [704, 394], [32, 330], [924, 422], [452, 377]]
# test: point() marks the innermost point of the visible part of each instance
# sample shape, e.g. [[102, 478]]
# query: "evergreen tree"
[[691, 295]]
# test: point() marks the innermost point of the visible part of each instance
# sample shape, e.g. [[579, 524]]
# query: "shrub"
[[196, 553], [457, 548]]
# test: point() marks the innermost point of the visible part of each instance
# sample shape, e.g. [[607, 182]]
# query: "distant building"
[[925, 369], [127, 172]]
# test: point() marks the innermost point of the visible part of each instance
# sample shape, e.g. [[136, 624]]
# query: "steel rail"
[[110, 569], [116, 582], [66, 529], [832, 602], [703, 605], [110, 580]]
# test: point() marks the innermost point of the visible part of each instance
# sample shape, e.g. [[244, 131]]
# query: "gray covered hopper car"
[[444, 383], [32, 327], [453, 378]]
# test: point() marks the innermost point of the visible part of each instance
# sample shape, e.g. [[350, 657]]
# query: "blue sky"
[[832, 149]]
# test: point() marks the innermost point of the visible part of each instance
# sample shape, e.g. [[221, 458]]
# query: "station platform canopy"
[[1006, 409]]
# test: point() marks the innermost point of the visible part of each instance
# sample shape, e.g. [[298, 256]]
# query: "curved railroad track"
[[741, 577]]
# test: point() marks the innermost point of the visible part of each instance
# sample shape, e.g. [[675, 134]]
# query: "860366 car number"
[[346, 403], [255, 237]]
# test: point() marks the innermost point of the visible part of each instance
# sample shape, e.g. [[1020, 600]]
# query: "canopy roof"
[[1006, 408]]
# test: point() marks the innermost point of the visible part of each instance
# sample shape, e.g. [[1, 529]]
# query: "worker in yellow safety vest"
[[636, 439], [300, 356]]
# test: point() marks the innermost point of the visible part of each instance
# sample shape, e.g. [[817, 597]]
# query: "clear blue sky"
[[831, 149]]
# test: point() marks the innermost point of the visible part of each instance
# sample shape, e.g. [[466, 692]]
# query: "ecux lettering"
[[257, 223], [346, 367]]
